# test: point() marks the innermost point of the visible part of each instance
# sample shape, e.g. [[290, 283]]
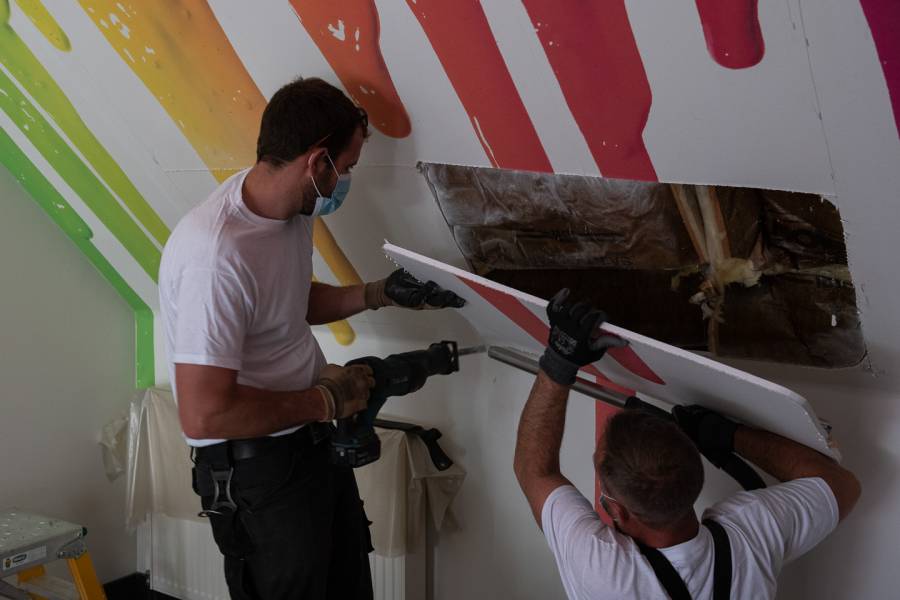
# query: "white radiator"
[[183, 561]]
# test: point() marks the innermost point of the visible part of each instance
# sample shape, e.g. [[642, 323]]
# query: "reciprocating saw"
[[355, 442]]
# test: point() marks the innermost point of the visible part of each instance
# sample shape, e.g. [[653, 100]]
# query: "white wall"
[[67, 348]]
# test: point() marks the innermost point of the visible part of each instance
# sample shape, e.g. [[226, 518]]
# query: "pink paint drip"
[[733, 35], [884, 21]]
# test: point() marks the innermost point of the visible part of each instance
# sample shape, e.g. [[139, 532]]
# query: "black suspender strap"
[[672, 582], [722, 570], [665, 572]]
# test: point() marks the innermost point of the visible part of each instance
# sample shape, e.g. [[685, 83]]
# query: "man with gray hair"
[[650, 476]]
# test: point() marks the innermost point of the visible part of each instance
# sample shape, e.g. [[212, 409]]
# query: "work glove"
[[345, 389], [712, 433], [575, 339], [402, 289]]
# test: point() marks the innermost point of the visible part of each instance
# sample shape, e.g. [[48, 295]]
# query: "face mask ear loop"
[[334, 168], [315, 187], [313, 177]]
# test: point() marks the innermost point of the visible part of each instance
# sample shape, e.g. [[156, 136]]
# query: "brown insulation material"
[[620, 243]]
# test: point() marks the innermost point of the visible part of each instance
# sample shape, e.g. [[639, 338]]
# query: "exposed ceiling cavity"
[[740, 272]]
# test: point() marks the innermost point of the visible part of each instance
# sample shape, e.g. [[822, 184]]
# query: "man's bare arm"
[[328, 303], [786, 460], [537, 448], [212, 405]]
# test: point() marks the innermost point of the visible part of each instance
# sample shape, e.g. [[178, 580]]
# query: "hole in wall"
[[739, 272]]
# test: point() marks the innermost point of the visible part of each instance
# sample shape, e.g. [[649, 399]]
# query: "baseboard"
[[133, 587]]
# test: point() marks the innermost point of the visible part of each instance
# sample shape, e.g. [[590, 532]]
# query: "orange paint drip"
[[182, 55], [347, 34]]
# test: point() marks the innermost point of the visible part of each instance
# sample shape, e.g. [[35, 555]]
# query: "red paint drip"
[[629, 359], [884, 21], [462, 39], [592, 50], [533, 326], [347, 33], [733, 35]]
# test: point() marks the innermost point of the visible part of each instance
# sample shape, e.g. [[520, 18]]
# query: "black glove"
[[402, 289], [573, 339], [712, 433]]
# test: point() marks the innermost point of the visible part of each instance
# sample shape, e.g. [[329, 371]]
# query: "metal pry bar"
[[520, 360]]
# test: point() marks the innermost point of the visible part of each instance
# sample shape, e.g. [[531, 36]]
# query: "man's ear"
[[316, 160], [620, 513]]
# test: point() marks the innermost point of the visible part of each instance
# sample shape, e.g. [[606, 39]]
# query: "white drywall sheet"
[[651, 369]]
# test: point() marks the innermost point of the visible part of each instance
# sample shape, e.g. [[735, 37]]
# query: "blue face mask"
[[325, 205]]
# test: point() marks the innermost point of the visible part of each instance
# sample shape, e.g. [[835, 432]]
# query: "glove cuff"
[[374, 295], [558, 368]]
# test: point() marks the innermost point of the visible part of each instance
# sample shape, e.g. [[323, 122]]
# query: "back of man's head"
[[650, 467], [304, 113]]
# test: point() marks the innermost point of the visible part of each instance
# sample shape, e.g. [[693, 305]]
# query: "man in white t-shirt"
[[650, 476], [255, 395]]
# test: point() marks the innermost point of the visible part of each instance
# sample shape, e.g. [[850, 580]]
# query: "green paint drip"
[[35, 79], [75, 173], [45, 23], [53, 203]]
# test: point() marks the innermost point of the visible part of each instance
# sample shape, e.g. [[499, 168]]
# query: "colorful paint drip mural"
[[347, 34], [591, 64], [180, 52]]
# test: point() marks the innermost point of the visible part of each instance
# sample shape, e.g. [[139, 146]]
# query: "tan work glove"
[[402, 289], [345, 390]]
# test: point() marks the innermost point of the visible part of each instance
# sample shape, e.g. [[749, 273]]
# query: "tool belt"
[[214, 464]]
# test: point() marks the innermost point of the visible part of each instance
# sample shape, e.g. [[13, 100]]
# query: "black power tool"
[[355, 442]]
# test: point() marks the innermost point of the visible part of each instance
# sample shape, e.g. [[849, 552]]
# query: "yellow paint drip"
[[181, 53], [46, 24]]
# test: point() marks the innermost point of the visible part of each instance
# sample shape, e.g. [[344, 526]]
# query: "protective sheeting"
[[399, 489], [522, 220], [623, 245]]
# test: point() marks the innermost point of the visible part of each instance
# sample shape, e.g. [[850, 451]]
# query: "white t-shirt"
[[766, 529], [234, 289]]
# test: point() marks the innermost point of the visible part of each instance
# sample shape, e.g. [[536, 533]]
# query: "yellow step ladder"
[[28, 542]]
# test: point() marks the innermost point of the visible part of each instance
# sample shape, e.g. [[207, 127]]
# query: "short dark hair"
[[306, 112], [651, 467]]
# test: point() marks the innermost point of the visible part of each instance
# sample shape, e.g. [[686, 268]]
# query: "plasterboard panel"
[[647, 367]]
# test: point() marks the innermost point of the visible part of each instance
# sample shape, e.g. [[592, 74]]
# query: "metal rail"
[[524, 362]]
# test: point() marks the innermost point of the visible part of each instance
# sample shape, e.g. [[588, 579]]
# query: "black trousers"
[[299, 531]]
